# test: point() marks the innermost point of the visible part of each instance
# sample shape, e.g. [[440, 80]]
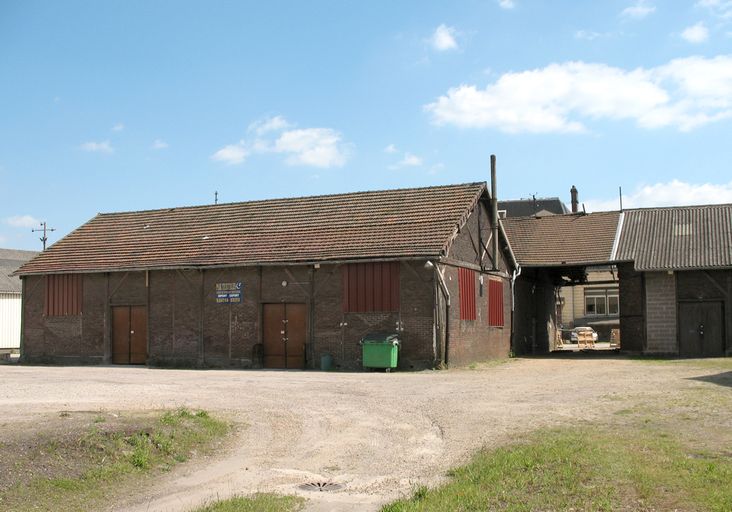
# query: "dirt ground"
[[378, 435]]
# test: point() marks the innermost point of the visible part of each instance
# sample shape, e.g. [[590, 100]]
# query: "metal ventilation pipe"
[[494, 212]]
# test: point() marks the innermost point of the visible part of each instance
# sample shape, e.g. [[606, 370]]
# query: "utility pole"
[[45, 229]]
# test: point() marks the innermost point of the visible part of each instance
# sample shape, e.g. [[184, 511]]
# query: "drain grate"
[[321, 486]]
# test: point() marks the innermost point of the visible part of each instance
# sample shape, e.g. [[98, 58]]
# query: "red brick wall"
[[476, 340]]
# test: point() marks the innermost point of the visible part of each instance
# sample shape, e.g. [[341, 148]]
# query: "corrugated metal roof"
[[678, 238], [384, 224], [563, 240], [10, 261]]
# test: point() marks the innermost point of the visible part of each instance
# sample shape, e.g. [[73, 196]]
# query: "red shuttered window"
[[466, 285], [495, 303], [63, 295], [369, 287]]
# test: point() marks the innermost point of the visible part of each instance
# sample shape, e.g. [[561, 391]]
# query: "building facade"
[[277, 284], [11, 298]]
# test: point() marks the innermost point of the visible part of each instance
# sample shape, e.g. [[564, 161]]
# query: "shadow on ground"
[[720, 379]]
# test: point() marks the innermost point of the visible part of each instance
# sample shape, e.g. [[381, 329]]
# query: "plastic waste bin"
[[380, 350]]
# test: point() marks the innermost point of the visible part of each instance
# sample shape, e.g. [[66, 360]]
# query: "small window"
[[495, 303], [466, 285], [63, 295], [371, 287], [601, 302]]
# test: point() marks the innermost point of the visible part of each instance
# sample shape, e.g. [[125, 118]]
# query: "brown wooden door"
[[701, 333], [283, 336], [129, 335]]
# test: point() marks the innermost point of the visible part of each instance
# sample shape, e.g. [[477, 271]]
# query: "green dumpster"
[[380, 350]]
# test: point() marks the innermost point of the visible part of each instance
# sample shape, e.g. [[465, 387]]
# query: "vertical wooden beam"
[[311, 320], [147, 313]]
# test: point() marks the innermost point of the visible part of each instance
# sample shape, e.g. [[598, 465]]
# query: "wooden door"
[[129, 334], [283, 336], [295, 343], [701, 333]]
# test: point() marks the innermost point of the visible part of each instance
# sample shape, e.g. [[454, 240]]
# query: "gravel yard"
[[379, 435]]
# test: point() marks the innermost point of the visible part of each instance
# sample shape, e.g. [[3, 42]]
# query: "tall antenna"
[[45, 229], [216, 197]]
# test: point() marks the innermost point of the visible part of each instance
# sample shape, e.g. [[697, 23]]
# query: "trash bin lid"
[[381, 337]]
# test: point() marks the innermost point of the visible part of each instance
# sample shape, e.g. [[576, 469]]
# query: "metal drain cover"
[[321, 486]]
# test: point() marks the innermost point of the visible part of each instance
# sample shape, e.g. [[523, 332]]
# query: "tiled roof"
[[10, 260], [688, 237], [562, 240], [402, 223], [528, 207]]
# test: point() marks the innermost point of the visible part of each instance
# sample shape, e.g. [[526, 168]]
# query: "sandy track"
[[378, 434]]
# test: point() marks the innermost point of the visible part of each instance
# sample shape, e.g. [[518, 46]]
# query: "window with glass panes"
[[602, 302]]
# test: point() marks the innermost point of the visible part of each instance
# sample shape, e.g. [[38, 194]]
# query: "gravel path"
[[379, 435]]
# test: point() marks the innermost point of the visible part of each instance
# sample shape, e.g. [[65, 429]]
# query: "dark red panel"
[[63, 295], [495, 303], [371, 287], [466, 287]]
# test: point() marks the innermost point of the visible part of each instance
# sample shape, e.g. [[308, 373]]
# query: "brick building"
[[277, 283], [675, 267]]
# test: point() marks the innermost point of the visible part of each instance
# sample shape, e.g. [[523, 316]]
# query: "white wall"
[[10, 320]]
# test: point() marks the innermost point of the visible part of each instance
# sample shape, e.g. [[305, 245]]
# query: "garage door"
[[129, 334], [701, 329], [283, 335]]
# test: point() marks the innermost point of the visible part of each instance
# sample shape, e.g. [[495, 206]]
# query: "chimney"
[[575, 199], [494, 212]]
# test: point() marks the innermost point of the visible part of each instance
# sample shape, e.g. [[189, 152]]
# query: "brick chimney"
[[575, 199]]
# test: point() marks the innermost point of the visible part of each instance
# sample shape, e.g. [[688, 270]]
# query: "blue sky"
[[125, 105]]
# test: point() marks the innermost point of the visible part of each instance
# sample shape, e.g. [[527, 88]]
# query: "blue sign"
[[228, 293]]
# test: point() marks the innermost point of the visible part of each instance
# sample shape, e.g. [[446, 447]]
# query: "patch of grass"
[[631, 468], [255, 503], [88, 467]]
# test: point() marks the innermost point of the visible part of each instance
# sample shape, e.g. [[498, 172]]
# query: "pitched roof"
[[10, 260], [563, 240], [416, 222], [528, 207], [678, 238]]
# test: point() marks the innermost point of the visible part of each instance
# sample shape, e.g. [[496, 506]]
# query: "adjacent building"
[[675, 267], [277, 283], [11, 297]]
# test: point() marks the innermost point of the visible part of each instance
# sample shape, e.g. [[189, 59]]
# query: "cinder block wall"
[[660, 313]]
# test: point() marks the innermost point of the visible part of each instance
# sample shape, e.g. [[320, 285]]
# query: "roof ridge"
[[678, 207], [295, 198]]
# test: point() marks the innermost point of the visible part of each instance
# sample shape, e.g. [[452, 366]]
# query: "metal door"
[[283, 336], [701, 333], [129, 335]]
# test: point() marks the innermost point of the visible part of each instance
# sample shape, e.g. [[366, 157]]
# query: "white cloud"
[[98, 147], [317, 147], [684, 93], [391, 148], [587, 35], [720, 8], [23, 221], [314, 147], [638, 11], [270, 124], [230, 155], [159, 144], [506, 4], [118, 127], [695, 34], [672, 193], [409, 160], [443, 38]]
